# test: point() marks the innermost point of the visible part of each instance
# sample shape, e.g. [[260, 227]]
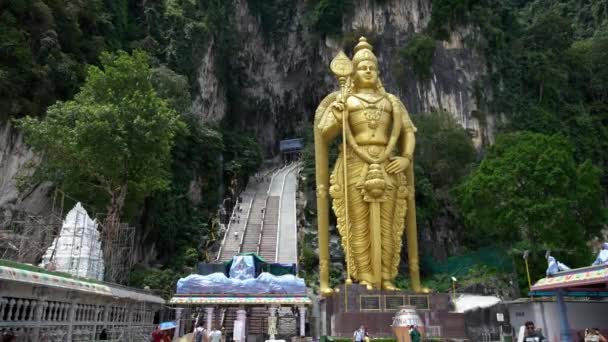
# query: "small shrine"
[[77, 249], [246, 297]]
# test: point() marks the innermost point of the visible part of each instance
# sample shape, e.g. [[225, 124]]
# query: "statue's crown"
[[363, 52]]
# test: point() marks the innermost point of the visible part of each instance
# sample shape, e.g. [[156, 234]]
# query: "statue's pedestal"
[[355, 305]]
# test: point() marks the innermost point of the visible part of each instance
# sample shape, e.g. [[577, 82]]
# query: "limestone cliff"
[[277, 78], [278, 74], [16, 162]]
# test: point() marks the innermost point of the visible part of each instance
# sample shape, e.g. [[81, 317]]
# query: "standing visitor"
[[414, 334], [367, 338], [157, 335], [199, 333], [532, 334], [593, 335], [215, 335], [359, 335], [166, 335], [104, 335]]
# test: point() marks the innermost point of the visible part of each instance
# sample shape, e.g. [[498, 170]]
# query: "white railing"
[[46, 320], [234, 210]]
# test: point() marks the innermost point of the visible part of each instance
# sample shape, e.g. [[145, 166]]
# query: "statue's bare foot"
[[389, 286], [327, 291], [368, 285], [422, 289]]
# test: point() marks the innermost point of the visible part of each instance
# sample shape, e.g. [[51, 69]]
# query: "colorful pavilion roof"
[[585, 277], [241, 300], [38, 278]]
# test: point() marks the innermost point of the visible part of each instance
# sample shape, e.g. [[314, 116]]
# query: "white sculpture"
[[77, 249], [602, 257], [555, 266]]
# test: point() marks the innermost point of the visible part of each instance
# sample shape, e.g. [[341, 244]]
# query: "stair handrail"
[[219, 252], [276, 248], [266, 207], [246, 223]]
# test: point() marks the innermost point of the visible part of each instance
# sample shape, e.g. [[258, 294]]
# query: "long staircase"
[[254, 224], [268, 235], [256, 227]]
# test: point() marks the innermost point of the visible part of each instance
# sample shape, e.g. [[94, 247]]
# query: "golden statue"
[[375, 163]]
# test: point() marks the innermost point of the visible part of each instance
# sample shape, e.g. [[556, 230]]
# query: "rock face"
[[272, 84], [277, 78], [16, 162]]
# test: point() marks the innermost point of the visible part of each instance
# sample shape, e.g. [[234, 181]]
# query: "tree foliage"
[[115, 136], [529, 192], [325, 16], [443, 157], [419, 53]]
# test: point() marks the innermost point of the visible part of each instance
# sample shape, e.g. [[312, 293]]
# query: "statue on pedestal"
[[372, 182]]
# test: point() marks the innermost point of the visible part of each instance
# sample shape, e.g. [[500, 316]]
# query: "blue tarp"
[[242, 280]]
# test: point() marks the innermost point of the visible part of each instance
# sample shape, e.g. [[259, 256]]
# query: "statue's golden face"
[[366, 74]]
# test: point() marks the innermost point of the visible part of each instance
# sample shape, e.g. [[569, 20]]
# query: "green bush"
[[325, 16], [419, 52]]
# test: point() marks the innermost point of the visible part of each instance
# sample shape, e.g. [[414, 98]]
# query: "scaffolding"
[[25, 237], [118, 242]]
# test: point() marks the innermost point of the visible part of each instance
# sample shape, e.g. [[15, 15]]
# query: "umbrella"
[[167, 325]]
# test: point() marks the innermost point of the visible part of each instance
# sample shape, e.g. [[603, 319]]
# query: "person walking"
[[215, 335], [359, 335], [157, 335], [199, 333], [531, 334], [414, 334], [594, 335]]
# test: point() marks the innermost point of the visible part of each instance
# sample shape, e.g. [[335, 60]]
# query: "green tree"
[[443, 148], [444, 154], [529, 193], [325, 16], [419, 53], [114, 137]]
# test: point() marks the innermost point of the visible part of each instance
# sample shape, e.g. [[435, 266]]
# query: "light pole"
[[526, 255], [454, 280]]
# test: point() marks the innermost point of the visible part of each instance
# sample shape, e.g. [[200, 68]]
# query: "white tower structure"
[[77, 249]]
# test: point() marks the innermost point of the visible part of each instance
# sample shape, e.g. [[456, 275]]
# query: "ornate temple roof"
[[593, 277]]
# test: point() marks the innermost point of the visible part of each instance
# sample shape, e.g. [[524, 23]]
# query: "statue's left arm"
[[407, 138]]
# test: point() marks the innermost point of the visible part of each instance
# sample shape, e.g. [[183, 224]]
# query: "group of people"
[[531, 334], [200, 334], [594, 335], [362, 335]]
